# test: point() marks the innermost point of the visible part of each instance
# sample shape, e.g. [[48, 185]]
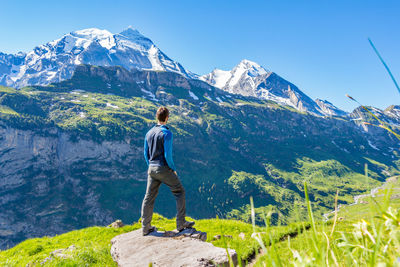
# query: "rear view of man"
[[158, 155]]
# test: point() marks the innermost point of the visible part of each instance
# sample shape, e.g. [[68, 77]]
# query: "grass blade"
[[310, 213], [335, 218], [384, 64]]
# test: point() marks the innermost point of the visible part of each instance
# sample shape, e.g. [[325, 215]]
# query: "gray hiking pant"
[[156, 176]]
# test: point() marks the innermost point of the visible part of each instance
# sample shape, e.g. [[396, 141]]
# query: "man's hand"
[[176, 173]]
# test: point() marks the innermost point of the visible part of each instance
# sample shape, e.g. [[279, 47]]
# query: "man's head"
[[162, 115]]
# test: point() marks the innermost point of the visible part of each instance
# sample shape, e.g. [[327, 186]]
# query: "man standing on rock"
[[158, 155]]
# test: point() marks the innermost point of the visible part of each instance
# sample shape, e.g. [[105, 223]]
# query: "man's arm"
[[146, 148], [168, 149]]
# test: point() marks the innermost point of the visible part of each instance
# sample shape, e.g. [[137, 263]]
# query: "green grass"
[[294, 244], [4, 89], [365, 234], [7, 110], [302, 243], [93, 243], [93, 248], [324, 177], [363, 208]]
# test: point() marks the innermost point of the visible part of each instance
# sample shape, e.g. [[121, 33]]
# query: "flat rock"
[[171, 248]]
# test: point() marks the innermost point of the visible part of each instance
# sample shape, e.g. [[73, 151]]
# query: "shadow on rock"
[[189, 232]]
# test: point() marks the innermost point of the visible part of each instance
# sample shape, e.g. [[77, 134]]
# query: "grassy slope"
[[348, 216], [368, 206], [93, 243]]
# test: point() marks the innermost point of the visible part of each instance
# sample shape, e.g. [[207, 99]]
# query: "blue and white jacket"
[[158, 147]]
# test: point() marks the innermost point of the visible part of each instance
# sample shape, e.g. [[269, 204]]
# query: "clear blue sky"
[[321, 46]]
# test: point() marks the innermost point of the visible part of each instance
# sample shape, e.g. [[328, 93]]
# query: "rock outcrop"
[[51, 184], [169, 248]]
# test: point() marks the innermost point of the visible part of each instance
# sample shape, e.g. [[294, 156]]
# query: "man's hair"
[[162, 114]]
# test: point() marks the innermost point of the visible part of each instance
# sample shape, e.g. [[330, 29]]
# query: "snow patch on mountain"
[[217, 77], [112, 106], [192, 95], [328, 108], [372, 145], [150, 94]]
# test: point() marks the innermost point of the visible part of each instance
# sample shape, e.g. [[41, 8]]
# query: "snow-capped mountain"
[[391, 116], [328, 108], [250, 79], [240, 80], [56, 60], [393, 112]]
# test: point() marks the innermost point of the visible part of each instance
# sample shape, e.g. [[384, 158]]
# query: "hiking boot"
[[185, 225], [148, 230]]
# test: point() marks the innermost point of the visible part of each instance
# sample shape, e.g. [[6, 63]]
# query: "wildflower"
[[361, 229]]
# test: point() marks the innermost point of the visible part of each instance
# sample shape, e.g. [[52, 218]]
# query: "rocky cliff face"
[[329, 109], [390, 117], [51, 183]]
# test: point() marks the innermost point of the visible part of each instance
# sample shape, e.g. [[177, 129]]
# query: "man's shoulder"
[[166, 130]]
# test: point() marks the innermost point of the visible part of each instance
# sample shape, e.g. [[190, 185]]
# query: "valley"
[[71, 153]]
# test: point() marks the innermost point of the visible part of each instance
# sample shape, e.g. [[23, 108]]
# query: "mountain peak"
[[92, 33], [393, 111], [132, 34], [248, 67], [132, 38], [130, 30], [229, 78], [253, 68], [249, 64]]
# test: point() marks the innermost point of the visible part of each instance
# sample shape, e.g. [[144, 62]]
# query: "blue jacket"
[[158, 147]]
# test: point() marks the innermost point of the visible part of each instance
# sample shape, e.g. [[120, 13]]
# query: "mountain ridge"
[[56, 61], [251, 79]]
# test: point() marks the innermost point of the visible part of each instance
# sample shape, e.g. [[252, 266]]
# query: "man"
[[158, 155]]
